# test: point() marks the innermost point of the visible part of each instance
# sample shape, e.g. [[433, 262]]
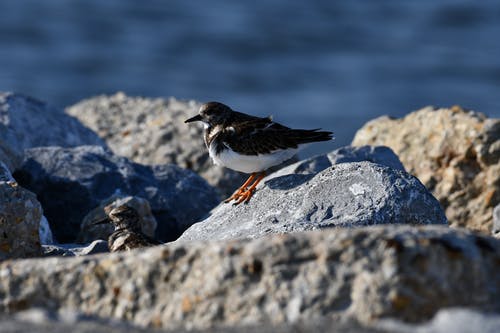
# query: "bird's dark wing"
[[237, 118], [263, 136]]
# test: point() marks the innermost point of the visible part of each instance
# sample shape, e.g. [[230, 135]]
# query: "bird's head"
[[123, 212], [212, 114], [122, 217]]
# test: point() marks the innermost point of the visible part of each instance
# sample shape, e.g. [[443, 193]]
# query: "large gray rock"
[[20, 216], [454, 152], [70, 182], [446, 321], [152, 131], [346, 194], [454, 320], [45, 234], [367, 273], [39, 320], [26, 122]]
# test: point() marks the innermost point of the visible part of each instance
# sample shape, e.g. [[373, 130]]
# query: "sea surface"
[[328, 64]]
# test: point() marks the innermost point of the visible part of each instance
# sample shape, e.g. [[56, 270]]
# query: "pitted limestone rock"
[[389, 271], [454, 152], [20, 216], [152, 131], [21, 121], [346, 194]]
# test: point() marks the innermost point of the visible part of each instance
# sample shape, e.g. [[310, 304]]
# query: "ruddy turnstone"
[[250, 144], [127, 234]]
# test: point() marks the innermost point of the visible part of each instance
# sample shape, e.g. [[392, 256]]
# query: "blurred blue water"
[[329, 64]]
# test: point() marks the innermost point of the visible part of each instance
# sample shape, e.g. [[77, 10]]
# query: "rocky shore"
[[391, 234], [454, 152]]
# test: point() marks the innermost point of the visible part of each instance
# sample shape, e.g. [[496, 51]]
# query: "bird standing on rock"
[[250, 144], [127, 234]]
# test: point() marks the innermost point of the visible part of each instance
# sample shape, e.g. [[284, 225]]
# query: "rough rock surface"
[[446, 321], [38, 320], [89, 231], [454, 152], [152, 131], [20, 215], [369, 273], [346, 194], [70, 182], [26, 122]]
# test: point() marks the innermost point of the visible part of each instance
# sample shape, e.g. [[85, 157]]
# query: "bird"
[[127, 234], [250, 144]]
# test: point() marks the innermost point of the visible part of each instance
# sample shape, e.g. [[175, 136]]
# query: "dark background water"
[[329, 64]]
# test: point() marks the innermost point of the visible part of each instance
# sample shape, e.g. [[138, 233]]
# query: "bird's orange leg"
[[242, 188], [246, 195]]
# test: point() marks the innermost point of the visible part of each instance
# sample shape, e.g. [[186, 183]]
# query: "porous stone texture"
[[38, 320], [389, 271], [456, 320], [26, 122], [346, 194], [70, 182], [89, 231], [20, 215], [454, 152], [152, 131]]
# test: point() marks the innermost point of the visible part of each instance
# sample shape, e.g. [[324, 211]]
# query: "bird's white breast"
[[249, 163]]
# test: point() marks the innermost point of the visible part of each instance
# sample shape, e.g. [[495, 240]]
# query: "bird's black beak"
[[102, 221], [195, 118]]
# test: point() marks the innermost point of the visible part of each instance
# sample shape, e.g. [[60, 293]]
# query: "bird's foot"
[[244, 193], [244, 196], [243, 188], [241, 195], [236, 195]]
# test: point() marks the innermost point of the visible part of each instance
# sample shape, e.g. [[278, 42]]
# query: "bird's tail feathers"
[[314, 135]]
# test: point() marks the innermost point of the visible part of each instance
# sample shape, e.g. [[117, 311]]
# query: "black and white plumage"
[[250, 144], [127, 234]]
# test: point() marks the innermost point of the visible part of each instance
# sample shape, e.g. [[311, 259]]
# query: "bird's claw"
[[244, 197], [240, 196], [245, 192]]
